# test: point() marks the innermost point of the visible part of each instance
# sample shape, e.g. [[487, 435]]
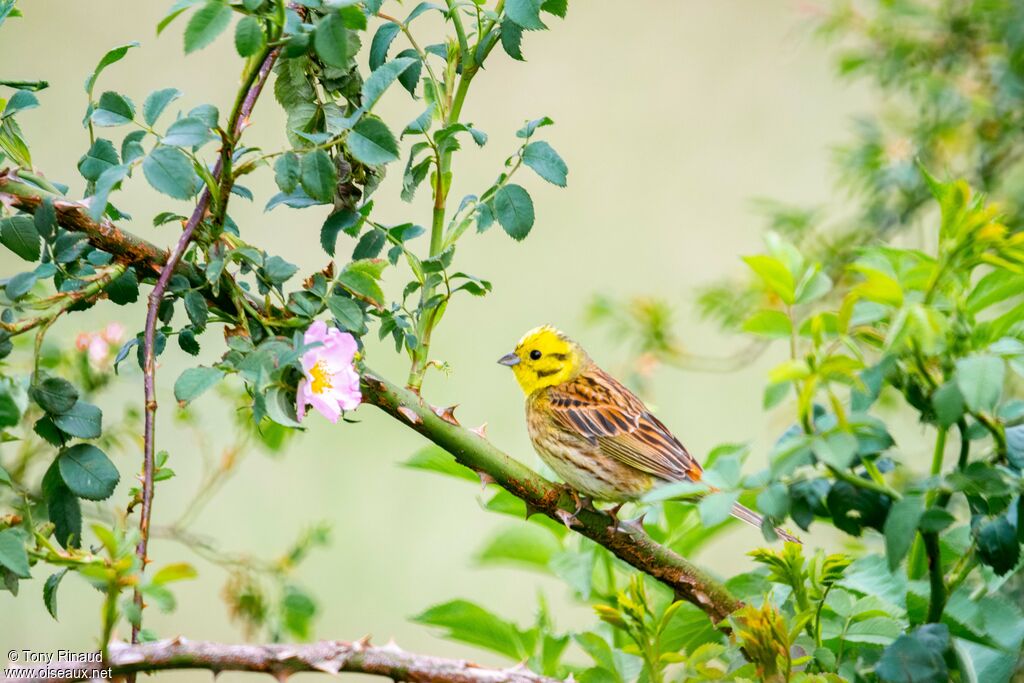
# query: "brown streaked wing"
[[598, 407]]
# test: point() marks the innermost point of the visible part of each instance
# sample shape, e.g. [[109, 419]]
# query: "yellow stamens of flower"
[[321, 377]]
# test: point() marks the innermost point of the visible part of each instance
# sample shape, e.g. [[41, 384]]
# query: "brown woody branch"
[[631, 545], [244, 104], [331, 657]]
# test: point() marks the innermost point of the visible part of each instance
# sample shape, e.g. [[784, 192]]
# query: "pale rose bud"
[[113, 333]]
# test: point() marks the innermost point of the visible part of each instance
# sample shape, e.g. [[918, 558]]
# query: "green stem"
[[109, 616], [868, 484], [916, 564], [467, 54], [963, 569], [937, 585], [442, 183]]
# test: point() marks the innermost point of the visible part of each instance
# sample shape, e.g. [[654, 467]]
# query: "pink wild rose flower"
[[331, 383]]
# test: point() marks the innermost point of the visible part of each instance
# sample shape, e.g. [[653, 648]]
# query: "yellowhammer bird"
[[594, 432]]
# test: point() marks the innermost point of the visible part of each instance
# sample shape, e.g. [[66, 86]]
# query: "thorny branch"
[[330, 657], [631, 545]]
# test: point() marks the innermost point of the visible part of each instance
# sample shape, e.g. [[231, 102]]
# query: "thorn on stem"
[[485, 479], [447, 414], [410, 415]]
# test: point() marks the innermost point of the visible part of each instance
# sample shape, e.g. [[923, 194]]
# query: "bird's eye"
[[535, 354]]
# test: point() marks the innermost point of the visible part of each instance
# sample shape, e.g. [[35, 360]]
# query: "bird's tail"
[[747, 515]]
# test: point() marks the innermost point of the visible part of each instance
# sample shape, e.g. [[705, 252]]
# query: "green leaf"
[[998, 546], [194, 381], [774, 275], [436, 459], [948, 403], [901, 527], [1015, 452], [813, 287], [469, 623], [530, 127], [525, 13], [345, 219], [113, 109], [330, 41], [179, 571], [546, 162], [361, 283], [12, 143], [55, 395], [20, 100], [347, 312], [382, 78], [278, 271], [319, 177], [125, 289], [12, 553], [206, 24], [88, 472], [874, 630], [106, 183], [10, 413], [370, 245], [771, 324], [62, 508], [187, 132], [4, 477], [556, 7], [916, 657], [50, 591], [157, 102], [372, 143], [169, 171], [935, 519], [84, 420], [287, 170], [382, 40], [511, 35], [113, 55], [19, 285], [19, 234], [837, 448], [528, 544], [715, 508], [131, 146], [99, 158], [997, 286], [774, 501], [196, 308], [980, 379], [514, 209], [249, 38]]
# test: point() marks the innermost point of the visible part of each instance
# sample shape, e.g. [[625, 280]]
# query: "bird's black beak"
[[509, 359]]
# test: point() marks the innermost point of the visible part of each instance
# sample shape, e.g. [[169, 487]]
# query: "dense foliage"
[[878, 333]]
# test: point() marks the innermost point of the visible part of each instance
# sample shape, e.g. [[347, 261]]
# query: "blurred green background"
[[719, 102]]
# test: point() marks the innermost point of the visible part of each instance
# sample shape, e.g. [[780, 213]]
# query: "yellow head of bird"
[[544, 357]]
